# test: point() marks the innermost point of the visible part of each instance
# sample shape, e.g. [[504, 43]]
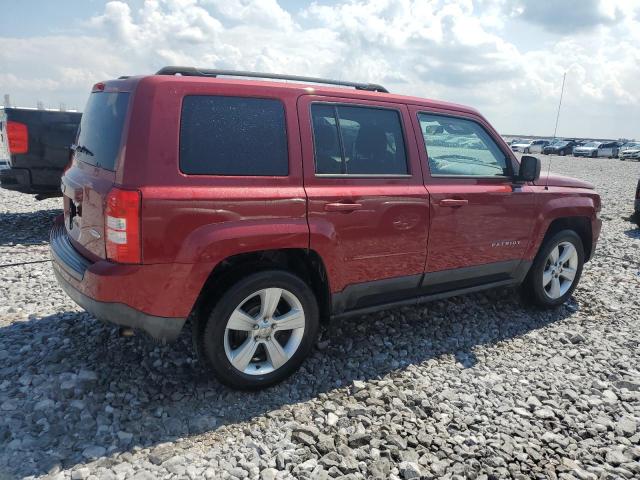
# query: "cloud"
[[458, 50], [567, 16]]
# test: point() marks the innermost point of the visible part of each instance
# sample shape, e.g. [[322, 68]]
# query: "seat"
[[371, 155], [327, 149]]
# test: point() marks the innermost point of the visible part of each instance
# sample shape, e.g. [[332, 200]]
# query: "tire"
[[534, 289], [526, 150], [594, 154], [562, 153], [262, 292]]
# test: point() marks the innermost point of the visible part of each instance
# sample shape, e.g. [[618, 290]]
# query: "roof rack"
[[203, 72]]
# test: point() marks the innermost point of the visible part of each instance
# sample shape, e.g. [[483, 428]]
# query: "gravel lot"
[[472, 387]]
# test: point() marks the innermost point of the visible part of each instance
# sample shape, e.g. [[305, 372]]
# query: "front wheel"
[[556, 270], [261, 330]]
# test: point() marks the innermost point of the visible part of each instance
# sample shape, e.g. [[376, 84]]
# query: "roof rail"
[[203, 72]]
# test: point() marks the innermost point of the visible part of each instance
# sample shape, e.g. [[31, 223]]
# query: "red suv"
[[260, 209]]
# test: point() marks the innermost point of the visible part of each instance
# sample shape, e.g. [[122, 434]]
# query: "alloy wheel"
[[264, 331], [560, 270]]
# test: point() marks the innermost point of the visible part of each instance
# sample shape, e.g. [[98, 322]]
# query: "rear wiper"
[[82, 149]]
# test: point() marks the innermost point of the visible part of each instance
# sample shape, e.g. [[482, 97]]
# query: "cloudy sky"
[[504, 57]]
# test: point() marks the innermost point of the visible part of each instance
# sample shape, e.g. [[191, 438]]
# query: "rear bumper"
[[104, 289], [18, 179], [22, 180]]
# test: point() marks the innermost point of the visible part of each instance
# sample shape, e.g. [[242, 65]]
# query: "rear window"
[[100, 130], [233, 136]]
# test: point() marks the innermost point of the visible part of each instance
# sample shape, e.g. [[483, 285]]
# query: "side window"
[[326, 140], [233, 136], [457, 146], [358, 140]]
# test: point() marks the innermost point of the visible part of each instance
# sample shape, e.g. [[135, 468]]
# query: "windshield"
[[591, 144], [101, 129]]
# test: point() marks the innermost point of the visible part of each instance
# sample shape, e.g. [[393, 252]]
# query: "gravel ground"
[[472, 387]]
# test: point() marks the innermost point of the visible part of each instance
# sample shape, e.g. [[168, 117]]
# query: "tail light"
[[122, 226], [18, 136]]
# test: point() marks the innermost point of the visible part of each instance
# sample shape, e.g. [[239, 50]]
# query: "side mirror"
[[529, 169]]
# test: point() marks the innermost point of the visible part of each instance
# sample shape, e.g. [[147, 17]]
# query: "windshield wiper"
[[82, 149]]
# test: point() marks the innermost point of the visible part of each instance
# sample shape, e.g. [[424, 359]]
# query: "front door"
[[480, 220], [368, 209]]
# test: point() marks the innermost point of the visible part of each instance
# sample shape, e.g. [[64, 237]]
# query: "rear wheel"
[[260, 330], [556, 270]]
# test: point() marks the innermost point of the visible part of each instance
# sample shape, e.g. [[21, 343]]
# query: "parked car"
[[562, 147], [4, 146], [260, 209], [636, 211], [38, 142], [630, 151], [597, 149], [630, 154], [530, 146]]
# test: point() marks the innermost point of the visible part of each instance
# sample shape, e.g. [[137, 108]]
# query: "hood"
[[631, 150], [586, 148], [555, 180]]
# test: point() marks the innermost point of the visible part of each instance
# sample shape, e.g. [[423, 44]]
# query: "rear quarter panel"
[[206, 218]]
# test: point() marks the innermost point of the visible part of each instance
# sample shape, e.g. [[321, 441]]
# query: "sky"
[[504, 57]]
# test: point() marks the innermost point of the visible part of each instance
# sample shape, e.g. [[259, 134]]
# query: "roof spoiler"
[[203, 72]]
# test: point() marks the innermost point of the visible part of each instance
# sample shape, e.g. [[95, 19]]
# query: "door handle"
[[342, 207], [453, 202]]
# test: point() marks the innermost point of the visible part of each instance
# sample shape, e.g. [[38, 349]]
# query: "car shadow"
[[71, 389], [28, 227]]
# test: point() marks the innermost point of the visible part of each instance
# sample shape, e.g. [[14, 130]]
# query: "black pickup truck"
[[38, 144]]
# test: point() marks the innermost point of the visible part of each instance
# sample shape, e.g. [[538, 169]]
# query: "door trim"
[[367, 297]]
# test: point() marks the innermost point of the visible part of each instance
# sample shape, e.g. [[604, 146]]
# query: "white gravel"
[[472, 387]]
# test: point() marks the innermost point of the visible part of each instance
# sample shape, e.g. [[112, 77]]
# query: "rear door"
[[86, 184], [606, 149], [480, 220], [368, 209]]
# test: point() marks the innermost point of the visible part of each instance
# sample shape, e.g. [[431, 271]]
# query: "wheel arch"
[[306, 264], [579, 224]]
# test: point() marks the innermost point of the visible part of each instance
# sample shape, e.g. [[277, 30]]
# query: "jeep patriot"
[[259, 209]]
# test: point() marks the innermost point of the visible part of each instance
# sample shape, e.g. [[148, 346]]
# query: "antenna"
[[559, 105], [555, 130]]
